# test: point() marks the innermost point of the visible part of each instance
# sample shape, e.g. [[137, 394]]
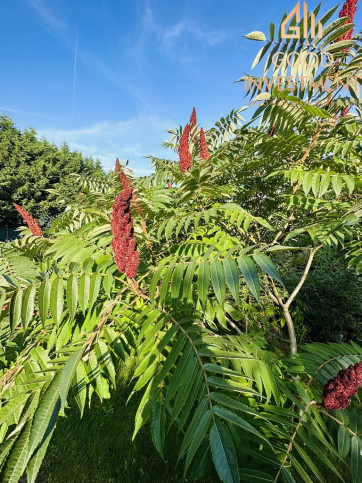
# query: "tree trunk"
[[291, 330]]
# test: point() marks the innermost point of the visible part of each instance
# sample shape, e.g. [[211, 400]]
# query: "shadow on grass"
[[99, 449]]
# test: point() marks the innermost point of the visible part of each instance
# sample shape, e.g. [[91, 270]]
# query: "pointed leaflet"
[[235, 419], [80, 387], [45, 416], [72, 295], [256, 35], [158, 423], [16, 464], [34, 464], [223, 453], [344, 441], [27, 309], [307, 182], [337, 183], [187, 290], [84, 283], [154, 282], [232, 278], [196, 418], [218, 280], [11, 408], [107, 283], [187, 382], [325, 180], [105, 360], [165, 280], [94, 287], [197, 438], [250, 274], [15, 309], [349, 182], [56, 300], [201, 462], [44, 299], [315, 184], [356, 459], [203, 280], [267, 265], [6, 446], [176, 283], [67, 375]]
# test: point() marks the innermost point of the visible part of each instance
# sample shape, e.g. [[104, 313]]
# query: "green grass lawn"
[[99, 449]]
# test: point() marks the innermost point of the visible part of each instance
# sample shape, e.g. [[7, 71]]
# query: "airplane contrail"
[[74, 73]]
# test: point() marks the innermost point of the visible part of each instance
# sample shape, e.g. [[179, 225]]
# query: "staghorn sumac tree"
[[211, 240]]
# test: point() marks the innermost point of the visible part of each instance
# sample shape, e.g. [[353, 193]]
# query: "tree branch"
[[304, 276]]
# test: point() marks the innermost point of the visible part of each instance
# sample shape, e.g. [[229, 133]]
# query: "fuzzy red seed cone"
[[348, 10], [338, 391], [30, 221], [203, 145], [125, 181], [123, 243], [193, 120], [118, 168], [184, 150]]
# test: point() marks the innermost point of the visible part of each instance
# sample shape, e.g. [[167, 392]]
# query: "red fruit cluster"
[[184, 150], [338, 391], [193, 121], [124, 180], [123, 242], [348, 10], [31, 222], [203, 146], [126, 184]]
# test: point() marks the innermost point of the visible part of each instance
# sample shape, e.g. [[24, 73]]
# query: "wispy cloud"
[[169, 36], [58, 27], [210, 37], [109, 140], [5, 110], [52, 23]]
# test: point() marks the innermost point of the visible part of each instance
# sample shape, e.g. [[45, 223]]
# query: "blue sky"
[[109, 77]]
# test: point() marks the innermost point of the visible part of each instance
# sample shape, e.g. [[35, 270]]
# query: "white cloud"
[[134, 139], [170, 35], [50, 21]]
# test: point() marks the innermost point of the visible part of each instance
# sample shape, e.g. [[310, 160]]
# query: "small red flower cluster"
[[203, 146], [184, 148], [348, 10], [31, 221], [123, 243], [338, 391]]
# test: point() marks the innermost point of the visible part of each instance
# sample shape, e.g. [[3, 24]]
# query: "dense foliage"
[[35, 173], [199, 316]]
